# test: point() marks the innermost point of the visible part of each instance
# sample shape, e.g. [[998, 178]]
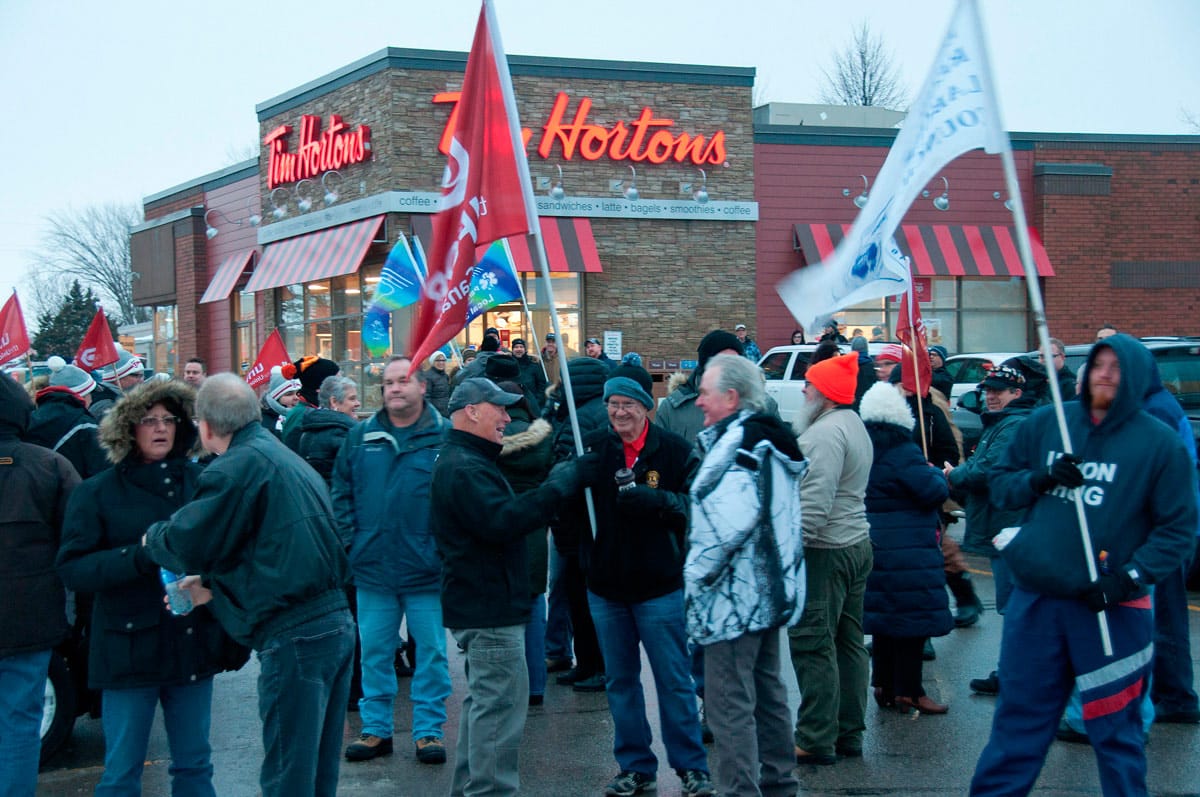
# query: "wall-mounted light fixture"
[[303, 203], [940, 202], [861, 199], [557, 192], [279, 211], [210, 231], [1008, 203], [629, 188], [701, 193], [331, 191]]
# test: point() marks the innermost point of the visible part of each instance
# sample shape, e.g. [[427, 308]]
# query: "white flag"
[[954, 113]]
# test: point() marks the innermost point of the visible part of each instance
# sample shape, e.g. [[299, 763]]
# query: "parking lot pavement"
[[568, 740]]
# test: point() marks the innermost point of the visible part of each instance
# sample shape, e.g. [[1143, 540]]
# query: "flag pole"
[[528, 313], [1039, 316], [917, 372]]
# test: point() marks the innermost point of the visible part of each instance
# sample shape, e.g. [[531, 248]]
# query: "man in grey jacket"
[[827, 648]]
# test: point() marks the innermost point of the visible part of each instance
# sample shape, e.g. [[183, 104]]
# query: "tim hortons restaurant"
[[668, 207], [644, 177]]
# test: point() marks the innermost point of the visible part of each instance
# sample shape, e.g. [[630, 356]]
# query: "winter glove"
[[563, 479], [1064, 471], [640, 498], [1109, 590], [590, 466]]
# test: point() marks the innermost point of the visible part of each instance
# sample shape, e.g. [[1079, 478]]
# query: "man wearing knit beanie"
[[63, 421], [886, 360], [679, 413], [828, 654]]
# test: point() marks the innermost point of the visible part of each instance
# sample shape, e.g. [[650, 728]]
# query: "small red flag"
[[97, 349], [14, 337], [910, 330], [486, 190], [273, 353]]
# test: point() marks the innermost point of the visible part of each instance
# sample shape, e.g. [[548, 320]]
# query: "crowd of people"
[[198, 521]]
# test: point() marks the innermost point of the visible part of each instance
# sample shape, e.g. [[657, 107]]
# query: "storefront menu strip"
[[946, 250], [317, 255], [227, 276], [570, 245]]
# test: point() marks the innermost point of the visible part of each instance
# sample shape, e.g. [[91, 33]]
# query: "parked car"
[[968, 370], [784, 367]]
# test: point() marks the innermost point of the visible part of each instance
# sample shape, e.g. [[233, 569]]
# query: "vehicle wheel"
[[58, 712]]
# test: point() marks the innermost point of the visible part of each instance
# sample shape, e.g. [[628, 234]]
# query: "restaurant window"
[[165, 354], [325, 318], [245, 348], [511, 320]]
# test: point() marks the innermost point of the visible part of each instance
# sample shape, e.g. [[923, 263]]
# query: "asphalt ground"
[[567, 746]]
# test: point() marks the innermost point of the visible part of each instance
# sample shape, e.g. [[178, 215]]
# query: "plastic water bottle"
[[177, 597]]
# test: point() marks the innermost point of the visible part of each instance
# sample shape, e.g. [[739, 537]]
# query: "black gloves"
[[640, 498], [589, 466], [563, 479], [1064, 471], [1109, 590]]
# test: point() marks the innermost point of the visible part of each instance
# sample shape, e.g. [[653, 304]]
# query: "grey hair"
[[226, 403], [743, 377], [334, 388]]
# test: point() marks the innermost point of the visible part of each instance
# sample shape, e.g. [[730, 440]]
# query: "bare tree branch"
[[864, 74], [92, 245], [1189, 118]]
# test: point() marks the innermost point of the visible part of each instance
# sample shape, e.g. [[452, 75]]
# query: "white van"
[[784, 367]]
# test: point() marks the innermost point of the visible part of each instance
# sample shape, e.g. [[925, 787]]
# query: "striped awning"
[[315, 256], [227, 276], [939, 250], [570, 245]]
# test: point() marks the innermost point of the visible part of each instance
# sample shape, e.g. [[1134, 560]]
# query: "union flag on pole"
[[14, 337], [910, 330], [272, 353], [97, 349], [486, 190]]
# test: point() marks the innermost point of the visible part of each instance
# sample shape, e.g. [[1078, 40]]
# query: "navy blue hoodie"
[[1137, 492]]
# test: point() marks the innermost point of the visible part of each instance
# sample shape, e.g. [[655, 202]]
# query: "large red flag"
[[910, 329], [486, 190], [14, 338], [272, 353], [97, 348]]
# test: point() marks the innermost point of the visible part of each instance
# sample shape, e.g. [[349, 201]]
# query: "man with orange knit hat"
[[827, 648]]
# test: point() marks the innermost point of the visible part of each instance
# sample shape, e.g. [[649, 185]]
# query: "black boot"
[[967, 602]]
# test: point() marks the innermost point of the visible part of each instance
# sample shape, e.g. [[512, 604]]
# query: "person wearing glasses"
[[1066, 377], [140, 654]]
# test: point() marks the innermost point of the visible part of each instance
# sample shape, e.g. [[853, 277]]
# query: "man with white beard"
[[827, 648]]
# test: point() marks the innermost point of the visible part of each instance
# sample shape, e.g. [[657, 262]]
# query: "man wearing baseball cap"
[[593, 348], [749, 347], [827, 648], [480, 525]]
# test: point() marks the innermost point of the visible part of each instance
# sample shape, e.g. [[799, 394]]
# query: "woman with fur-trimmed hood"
[[906, 592], [140, 654]]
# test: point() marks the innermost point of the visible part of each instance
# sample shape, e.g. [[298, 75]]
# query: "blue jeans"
[[127, 717], [1004, 582], [535, 646], [658, 624], [378, 629], [558, 615], [493, 712], [22, 693], [303, 686]]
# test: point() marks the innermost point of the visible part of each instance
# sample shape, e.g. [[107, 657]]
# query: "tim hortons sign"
[[648, 138], [317, 151]]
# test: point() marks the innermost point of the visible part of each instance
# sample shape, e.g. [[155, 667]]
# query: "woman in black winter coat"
[[323, 430], [140, 653], [906, 591], [437, 383]]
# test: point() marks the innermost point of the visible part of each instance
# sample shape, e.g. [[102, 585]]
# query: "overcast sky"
[[115, 100]]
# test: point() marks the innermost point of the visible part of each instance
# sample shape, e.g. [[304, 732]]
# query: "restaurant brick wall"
[[1150, 217]]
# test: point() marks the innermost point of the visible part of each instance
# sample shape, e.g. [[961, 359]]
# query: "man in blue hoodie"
[[1135, 481]]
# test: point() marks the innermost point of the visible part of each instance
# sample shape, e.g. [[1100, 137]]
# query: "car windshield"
[[1180, 371]]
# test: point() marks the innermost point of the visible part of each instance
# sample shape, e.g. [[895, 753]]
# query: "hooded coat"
[[906, 591], [587, 386], [322, 432], [525, 460], [35, 485], [1138, 493], [64, 424], [135, 641]]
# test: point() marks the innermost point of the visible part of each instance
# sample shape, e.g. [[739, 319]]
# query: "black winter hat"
[[715, 342], [311, 371], [490, 344], [501, 367], [637, 374]]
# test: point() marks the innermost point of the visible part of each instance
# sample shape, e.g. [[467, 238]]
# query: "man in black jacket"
[[34, 487], [261, 535], [480, 527]]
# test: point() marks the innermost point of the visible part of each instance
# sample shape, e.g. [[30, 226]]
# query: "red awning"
[[941, 250], [228, 273], [317, 255], [569, 243]]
